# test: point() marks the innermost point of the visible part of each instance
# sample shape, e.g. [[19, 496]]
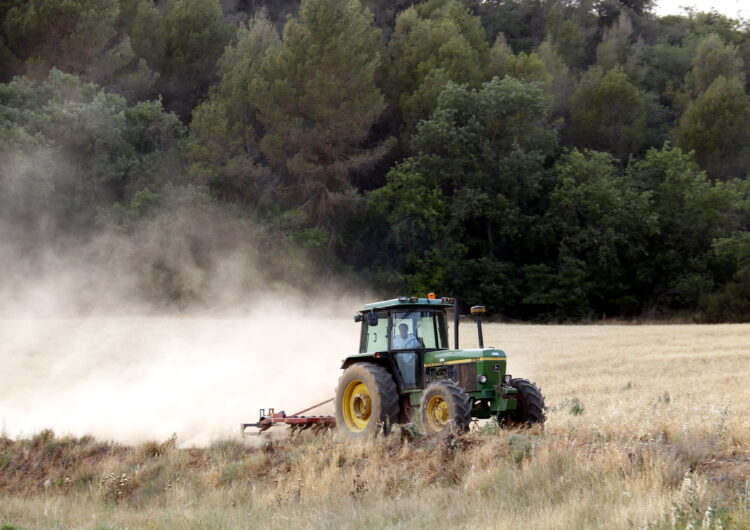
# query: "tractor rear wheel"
[[445, 406], [366, 400], [530, 405]]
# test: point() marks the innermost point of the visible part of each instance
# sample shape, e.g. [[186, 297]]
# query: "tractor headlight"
[[508, 377], [482, 378]]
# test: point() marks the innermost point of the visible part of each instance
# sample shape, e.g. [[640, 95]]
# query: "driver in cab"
[[404, 341]]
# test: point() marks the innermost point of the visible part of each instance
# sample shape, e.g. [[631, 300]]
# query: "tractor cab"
[[403, 330]]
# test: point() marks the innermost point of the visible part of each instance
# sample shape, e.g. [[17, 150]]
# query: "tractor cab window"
[[411, 331], [418, 329], [374, 337]]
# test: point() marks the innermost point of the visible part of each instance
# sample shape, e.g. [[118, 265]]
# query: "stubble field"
[[648, 426]]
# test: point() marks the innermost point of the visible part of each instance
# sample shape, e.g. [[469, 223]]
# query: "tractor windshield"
[[418, 329]]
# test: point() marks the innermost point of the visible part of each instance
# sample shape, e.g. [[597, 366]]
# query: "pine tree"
[[717, 127], [608, 113], [319, 102], [433, 43], [81, 37], [713, 59], [67, 34], [182, 41], [225, 130], [614, 48]]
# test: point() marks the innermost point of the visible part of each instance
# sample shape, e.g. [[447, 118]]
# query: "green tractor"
[[405, 364]]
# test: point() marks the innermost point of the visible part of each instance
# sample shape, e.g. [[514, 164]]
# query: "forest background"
[[551, 159]]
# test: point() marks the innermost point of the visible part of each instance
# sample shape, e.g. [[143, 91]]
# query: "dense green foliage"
[[70, 150], [552, 160]]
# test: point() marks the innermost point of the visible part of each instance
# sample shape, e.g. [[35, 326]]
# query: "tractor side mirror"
[[372, 318], [358, 317]]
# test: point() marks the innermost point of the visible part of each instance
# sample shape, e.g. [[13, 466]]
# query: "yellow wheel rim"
[[437, 414], [356, 406]]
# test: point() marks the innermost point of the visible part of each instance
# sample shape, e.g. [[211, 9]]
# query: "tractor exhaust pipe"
[[478, 311], [456, 311]]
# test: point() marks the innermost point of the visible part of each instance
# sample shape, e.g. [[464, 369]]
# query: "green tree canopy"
[[69, 34], [665, 66], [615, 47], [80, 37], [717, 127], [524, 66], [69, 148], [571, 28], [691, 212], [460, 206], [182, 41], [225, 131], [731, 302], [195, 37], [608, 113], [713, 59], [597, 227], [319, 101], [433, 43], [533, 172]]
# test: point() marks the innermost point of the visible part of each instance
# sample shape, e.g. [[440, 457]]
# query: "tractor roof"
[[410, 301]]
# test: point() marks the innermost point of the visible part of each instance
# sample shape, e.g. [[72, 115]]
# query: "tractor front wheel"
[[366, 400], [445, 406], [529, 408]]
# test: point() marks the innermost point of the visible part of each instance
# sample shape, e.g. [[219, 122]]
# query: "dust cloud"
[[187, 324], [86, 349], [137, 378]]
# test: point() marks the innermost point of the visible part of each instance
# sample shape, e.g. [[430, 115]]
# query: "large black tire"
[[366, 401], [530, 409], [445, 406]]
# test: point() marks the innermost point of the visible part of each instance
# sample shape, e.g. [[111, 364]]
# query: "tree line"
[[554, 160]]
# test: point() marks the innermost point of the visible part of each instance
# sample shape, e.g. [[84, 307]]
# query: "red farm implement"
[[296, 421]]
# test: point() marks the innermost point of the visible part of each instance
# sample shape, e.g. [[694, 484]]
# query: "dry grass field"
[[648, 427]]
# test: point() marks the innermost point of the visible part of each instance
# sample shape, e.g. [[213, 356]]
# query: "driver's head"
[[403, 330]]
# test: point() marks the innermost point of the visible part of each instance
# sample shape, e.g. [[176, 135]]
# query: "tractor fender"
[[362, 358], [379, 358]]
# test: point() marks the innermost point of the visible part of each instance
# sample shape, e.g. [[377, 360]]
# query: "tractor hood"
[[438, 357]]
